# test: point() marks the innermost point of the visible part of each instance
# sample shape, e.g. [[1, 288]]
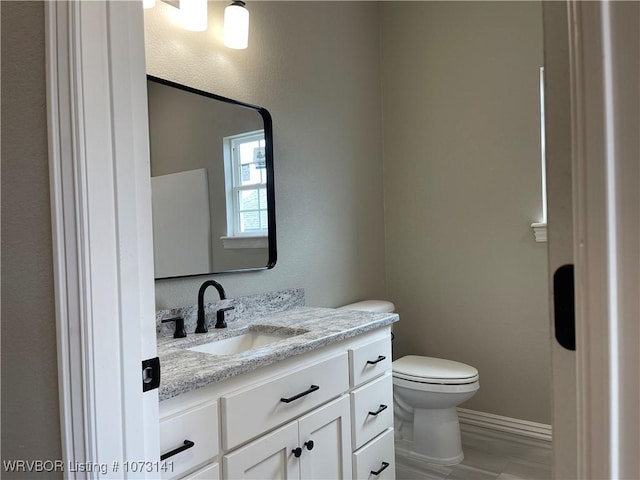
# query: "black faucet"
[[180, 332], [202, 324]]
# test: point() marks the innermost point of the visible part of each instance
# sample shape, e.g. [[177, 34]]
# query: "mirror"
[[212, 182]]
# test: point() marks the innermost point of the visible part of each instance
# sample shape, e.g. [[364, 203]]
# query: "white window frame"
[[540, 228], [235, 238]]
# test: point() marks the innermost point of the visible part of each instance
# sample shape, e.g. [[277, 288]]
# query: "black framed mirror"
[[212, 182]]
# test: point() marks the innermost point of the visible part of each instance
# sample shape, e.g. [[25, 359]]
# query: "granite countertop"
[[184, 370]]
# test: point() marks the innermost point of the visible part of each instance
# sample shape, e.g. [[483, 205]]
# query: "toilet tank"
[[377, 306]]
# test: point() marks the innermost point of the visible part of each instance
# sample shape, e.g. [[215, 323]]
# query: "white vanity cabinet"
[[327, 413]]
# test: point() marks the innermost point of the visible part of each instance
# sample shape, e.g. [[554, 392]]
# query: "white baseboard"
[[516, 426]]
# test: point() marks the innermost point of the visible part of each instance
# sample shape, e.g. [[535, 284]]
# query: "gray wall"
[[462, 186], [30, 418], [315, 67]]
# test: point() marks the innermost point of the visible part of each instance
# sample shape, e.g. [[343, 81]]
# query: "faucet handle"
[[180, 332], [220, 320]]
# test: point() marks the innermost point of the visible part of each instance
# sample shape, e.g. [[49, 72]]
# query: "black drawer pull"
[[382, 468], [187, 445], [312, 389], [381, 409], [378, 360]]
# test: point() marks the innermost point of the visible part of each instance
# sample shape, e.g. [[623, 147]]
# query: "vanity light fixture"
[[194, 15], [194, 18], [236, 25]]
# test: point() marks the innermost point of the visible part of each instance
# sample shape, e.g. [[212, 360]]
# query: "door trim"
[[605, 53], [101, 227]]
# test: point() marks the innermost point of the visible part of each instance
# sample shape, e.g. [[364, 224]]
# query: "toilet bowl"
[[426, 391]]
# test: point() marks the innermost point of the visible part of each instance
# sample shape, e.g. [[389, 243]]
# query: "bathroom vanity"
[[305, 393]]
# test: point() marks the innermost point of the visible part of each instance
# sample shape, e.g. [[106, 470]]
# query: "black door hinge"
[[150, 374]]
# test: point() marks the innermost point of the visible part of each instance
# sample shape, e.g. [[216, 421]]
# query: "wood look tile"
[[489, 455]]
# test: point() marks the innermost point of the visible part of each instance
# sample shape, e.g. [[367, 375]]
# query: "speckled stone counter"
[[244, 307], [184, 370]]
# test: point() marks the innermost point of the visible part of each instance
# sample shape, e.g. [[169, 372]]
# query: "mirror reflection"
[[211, 182]]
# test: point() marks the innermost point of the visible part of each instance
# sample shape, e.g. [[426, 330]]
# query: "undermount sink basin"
[[253, 338]]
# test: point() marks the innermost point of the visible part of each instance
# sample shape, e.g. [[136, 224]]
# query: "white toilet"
[[426, 392]]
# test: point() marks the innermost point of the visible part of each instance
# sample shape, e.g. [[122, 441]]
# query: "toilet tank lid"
[[379, 306]]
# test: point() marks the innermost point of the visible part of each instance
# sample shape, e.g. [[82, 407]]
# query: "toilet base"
[[445, 462], [436, 435]]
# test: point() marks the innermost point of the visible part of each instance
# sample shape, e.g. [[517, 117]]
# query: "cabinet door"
[[329, 428], [268, 458], [210, 472]]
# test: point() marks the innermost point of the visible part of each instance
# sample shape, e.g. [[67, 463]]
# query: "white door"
[[592, 58], [101, 222], [329, 430], [270, 457], [605, 73]]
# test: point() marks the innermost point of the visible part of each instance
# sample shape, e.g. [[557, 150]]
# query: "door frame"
[[605, 56], [102, 240]]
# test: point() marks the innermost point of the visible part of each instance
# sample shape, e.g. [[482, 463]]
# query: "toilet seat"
[[437, 371]]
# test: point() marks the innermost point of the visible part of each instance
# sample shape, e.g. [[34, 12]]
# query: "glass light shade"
[[236, 26], [194, 15], [148, 3]]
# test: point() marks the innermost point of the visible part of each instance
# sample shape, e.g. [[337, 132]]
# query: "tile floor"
[[489, 455]]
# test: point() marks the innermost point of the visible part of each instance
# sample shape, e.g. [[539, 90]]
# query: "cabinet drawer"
[[371, 409], [198, 425], [369, 360], [376, 456], [251, 411]]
